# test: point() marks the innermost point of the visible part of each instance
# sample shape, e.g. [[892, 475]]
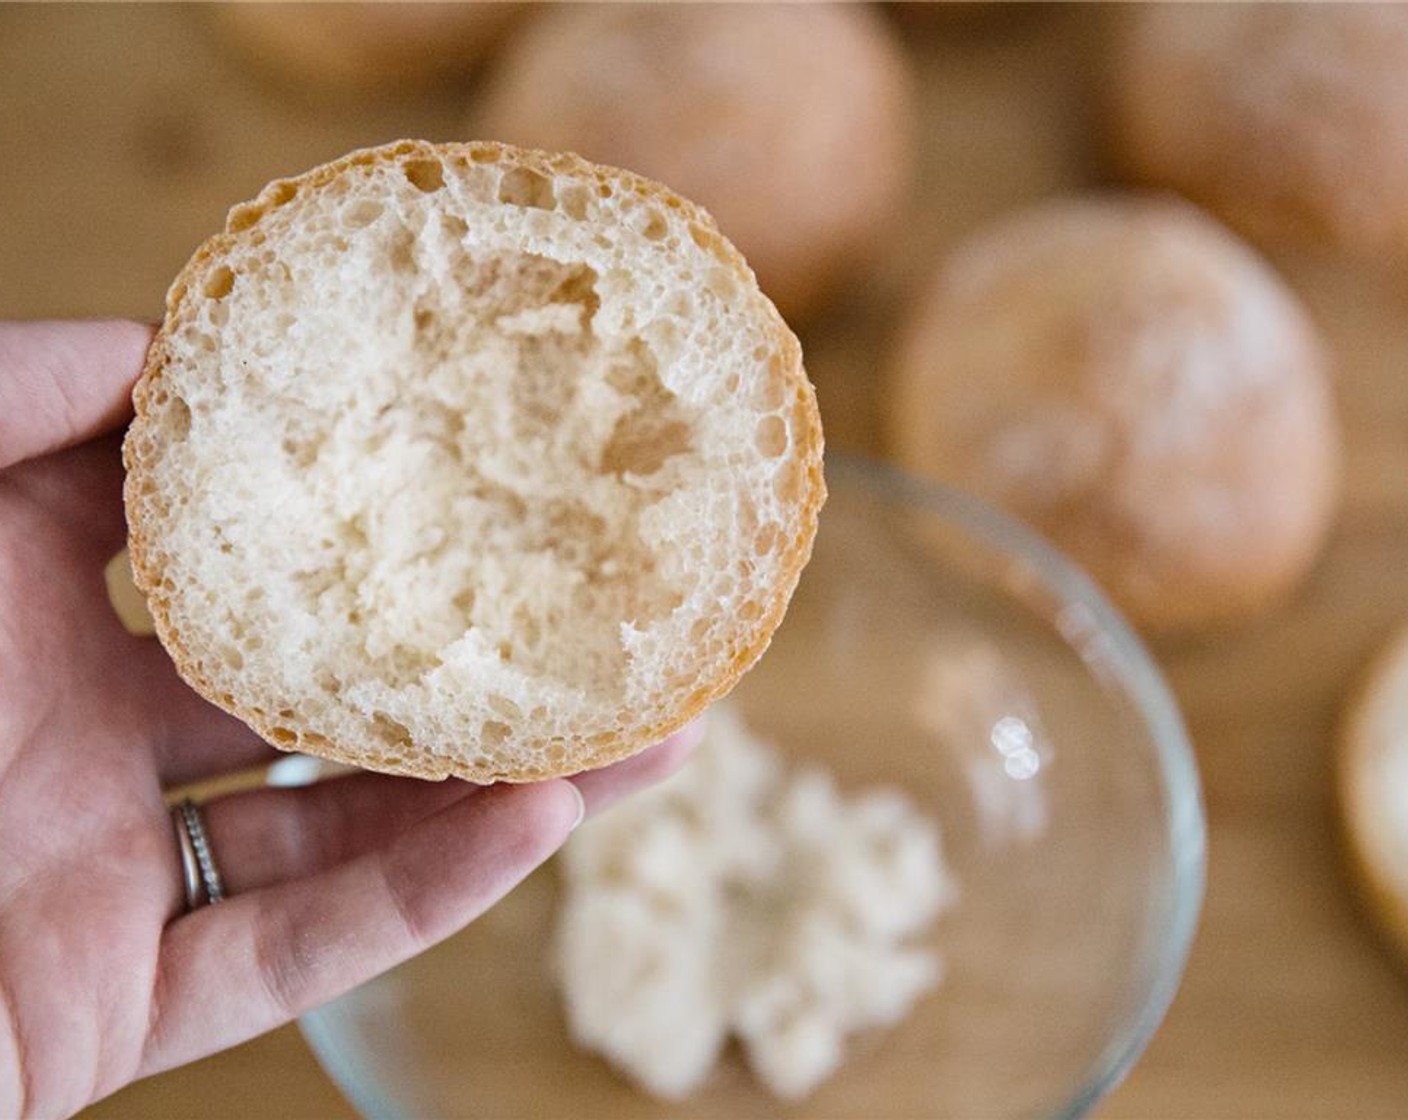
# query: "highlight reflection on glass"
[[1013, 740], [973, 701]]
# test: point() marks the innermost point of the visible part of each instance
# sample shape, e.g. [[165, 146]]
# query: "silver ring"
[[198, 872]]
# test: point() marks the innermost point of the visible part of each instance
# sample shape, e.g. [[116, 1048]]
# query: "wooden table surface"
[[127, 132]]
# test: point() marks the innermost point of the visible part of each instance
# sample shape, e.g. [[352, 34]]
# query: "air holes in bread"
[[426, 175], [770, 436], [362, 212], [219, 283], [522, 186]]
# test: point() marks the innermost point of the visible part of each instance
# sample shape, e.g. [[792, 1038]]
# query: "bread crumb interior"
[[476, 469]]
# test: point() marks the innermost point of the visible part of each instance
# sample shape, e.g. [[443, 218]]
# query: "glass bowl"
[[936, 646]]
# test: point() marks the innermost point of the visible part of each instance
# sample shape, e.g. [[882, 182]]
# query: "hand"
[[101, 982]]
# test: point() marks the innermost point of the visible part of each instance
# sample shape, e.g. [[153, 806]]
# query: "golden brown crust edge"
[[806, 460]]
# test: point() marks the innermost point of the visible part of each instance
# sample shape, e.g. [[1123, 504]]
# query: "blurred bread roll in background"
[[1372, 780], [1289, 121], [1127, 377], [969, 17], [365, 48], [790, 123]]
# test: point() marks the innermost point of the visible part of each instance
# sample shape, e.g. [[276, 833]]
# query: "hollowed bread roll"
[[469, 460]]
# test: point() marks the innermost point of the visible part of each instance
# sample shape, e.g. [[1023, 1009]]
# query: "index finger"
[[64, 382], [255, 961]]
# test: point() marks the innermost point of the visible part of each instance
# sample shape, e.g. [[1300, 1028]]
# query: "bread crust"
[[798, 531]]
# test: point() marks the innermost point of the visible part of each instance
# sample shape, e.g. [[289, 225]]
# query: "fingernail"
[[581, 806]]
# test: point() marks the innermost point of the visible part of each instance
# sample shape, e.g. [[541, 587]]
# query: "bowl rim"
[[1126, 659]]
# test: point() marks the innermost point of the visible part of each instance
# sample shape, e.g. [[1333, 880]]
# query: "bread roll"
[[1372, 777], [1141, 388], [366, 47], [469, 460], [1289, 121], [789, 122]]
